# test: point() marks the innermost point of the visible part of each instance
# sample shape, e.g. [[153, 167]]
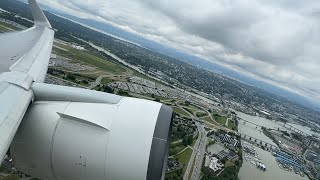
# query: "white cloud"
[[274, 40]]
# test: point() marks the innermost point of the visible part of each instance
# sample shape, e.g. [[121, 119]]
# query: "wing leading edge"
[[24, 59]]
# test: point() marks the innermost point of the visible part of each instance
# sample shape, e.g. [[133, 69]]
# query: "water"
[[305, 129], [251, 172]]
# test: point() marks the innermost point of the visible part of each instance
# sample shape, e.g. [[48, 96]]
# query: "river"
[[273, 172]]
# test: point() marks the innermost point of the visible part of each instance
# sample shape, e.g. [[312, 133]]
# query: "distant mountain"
[[191, 59]]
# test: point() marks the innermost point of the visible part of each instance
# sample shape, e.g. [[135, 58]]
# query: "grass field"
[[106, 80], [231, 124], [192, 109], [89, 58], [201, 114], [184, 158], [176, 148], [180, 111], [3, 29], [208, 119], [9, 26], [220, 119]]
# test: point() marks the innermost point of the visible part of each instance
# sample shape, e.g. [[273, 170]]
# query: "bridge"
[[267, 146], [295, 129], [257, 125], [284, 125]]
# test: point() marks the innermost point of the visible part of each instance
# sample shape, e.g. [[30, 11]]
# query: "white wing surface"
[[24, 58]]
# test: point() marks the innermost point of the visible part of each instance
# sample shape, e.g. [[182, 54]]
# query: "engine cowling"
[[63, 139]]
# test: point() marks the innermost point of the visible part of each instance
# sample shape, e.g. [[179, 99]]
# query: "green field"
[[11, 177], [191, 108], [231, 125], [220, 119], [180, 111], [208, 119], [106, 80], [176, 148], [201, 114], [184, 158], [3, 29], [89, 58], [9, 26], [77, 78]]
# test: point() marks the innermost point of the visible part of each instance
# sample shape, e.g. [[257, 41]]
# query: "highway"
[[194, 152], [199, 155]]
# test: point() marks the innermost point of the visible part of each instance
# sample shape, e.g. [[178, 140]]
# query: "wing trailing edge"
[[38, 16]]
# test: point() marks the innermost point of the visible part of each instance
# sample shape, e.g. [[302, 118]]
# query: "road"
[[128, 73], [98, 81], [194, 152], [197, 153]]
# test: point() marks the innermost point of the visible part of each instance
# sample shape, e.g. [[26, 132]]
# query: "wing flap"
[[14, 103]]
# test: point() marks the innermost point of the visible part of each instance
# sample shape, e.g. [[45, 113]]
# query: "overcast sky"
[[276, 40]]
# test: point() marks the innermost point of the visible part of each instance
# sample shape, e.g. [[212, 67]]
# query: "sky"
[[277, 41]]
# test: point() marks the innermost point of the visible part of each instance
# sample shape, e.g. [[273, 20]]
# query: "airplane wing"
[[24, 58]]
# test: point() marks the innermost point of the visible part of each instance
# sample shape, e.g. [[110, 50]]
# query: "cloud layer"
[[274, 40]]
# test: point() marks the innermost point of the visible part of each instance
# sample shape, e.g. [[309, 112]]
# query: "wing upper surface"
[[15, 45], [24, 59]]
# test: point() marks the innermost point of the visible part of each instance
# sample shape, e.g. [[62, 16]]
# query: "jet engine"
[[77, 134]]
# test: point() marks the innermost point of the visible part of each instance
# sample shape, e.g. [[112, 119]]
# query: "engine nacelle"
[[105, 138]]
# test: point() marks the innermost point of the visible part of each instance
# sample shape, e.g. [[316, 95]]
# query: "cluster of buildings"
[[12, 23], [77, 47], [213, 163], [188, 126], [313, 164], [289, 162], [138, 89], [7, 164], [230, 140], [142, 86], [173, 164], [216, 154], [64, 62]]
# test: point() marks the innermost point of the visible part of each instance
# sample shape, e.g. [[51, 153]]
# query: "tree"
[[190, 140], [71, 77], [85, 82], [157, 99], [185, 141], [108, 89]]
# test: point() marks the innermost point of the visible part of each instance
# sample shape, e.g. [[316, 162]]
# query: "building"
[[229, 139], [232, 156], [222, 154], [213, 164]]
